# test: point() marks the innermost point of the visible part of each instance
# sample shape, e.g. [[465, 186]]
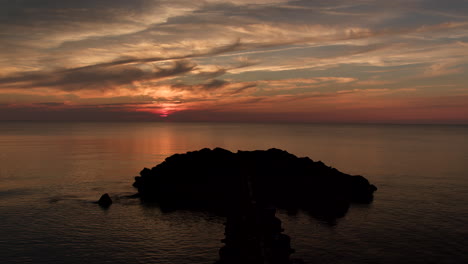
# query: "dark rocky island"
[[216, 179], [247, 186]]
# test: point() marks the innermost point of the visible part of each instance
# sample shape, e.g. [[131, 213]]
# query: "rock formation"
[[215, 178], [105, 200], [247, 186]]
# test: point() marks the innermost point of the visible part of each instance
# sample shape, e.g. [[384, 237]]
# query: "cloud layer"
[[270, 60]]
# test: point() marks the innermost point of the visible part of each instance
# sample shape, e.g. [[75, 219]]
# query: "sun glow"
[[161, 109]]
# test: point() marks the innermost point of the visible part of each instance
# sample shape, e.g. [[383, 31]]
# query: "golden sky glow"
[[271, 60]]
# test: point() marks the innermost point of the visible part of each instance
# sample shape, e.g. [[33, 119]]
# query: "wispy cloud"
[[164, 57]]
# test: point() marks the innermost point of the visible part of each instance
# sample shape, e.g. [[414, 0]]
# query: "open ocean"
[[51, 173]]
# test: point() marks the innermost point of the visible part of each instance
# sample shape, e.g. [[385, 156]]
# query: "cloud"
[[82, 113], [218, 71], [215, 87], [362, 107], [50, 104], [236, 56], [130, 60], [214, 84], [97, 77]]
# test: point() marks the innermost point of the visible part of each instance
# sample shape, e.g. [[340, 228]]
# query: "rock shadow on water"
[[247, 187]]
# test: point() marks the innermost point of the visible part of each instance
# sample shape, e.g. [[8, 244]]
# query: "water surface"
[[50, 173]]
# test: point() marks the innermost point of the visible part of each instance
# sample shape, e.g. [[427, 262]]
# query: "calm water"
[[50, 173]]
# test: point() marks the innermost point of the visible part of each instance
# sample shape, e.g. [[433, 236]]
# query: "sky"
[[335, 61]]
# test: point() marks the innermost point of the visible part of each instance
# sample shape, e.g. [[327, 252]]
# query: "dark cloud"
[[49, 104], [211, 85], [54, 12], [222, 87], [223, 70], [213, 21], [82, 113], [215, 51], [122, 100], [459, 7], [107, 74], [118, 72], [242, 89], [214, 85], [103, 76], [223, 115]]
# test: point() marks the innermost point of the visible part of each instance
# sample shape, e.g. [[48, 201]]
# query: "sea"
[[51, 173]]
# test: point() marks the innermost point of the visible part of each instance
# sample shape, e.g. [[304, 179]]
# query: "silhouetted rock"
[[214, 178], [105, 200], [247, 186]]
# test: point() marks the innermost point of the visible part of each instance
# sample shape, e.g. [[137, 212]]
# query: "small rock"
[[105, 200]]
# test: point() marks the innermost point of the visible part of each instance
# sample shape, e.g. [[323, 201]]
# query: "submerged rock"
[[105, 200], [217, 178]]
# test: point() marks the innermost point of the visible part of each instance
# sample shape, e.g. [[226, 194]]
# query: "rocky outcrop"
[[218, 178], [105, 200]]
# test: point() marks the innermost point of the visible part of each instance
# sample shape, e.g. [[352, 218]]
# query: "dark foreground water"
[[50, 173]]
